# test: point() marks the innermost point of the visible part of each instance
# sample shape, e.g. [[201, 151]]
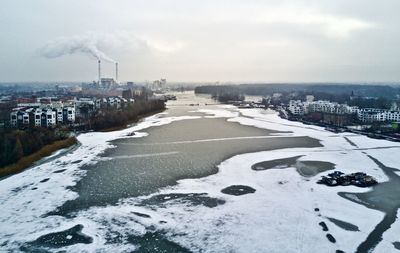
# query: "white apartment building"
[[296, 107], [381, 115], [70, 112], [42, 117], [38, 117], [19, 118], [51, 118], [115, 102], [330, 107], [65, 114]]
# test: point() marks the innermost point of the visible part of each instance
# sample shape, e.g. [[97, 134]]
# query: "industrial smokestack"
[[116, 71], [99, 71]]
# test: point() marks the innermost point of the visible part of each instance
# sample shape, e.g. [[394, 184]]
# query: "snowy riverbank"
[[282, 215]]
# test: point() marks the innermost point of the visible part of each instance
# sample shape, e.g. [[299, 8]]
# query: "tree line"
[[112, 117], [16, 144], [363, 96]]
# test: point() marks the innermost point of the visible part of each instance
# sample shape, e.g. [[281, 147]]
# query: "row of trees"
[[112, 117], [15, 144], [221, 93], [224, 97], [363, 96]]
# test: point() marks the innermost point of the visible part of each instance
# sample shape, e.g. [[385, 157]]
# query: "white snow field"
[[279, 216]]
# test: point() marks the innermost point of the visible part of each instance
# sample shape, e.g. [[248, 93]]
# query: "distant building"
[[309, 98], [65, 115], [159, 84], [127, 94], [107, 83], [41, 117], [19, 119], [54, 111], [85, 107], [380, 115], [113, 102], [297, 107]]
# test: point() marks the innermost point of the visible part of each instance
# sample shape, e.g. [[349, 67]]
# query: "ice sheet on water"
[[279, 216], [27, 196], [218, 113]]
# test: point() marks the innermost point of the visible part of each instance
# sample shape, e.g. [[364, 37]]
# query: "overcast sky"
[[207, 40]]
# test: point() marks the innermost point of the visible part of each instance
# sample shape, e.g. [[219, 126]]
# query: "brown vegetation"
[[15, 144], [112, 119], [27, 161]]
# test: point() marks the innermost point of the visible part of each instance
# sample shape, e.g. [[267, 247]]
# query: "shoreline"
[[129, 123], [27, 161], [234, 171], [338, 129]]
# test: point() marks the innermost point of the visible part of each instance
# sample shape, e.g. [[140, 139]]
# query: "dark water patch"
[[77, 161], [331, 238], [354, 198], [344, 225], [194, 199], [382, 197], [141, 214], [375, 236], [34, 188], [157, 243], [108, 181], [64, 238], [304, 168], [350, 142], [339, 251], [238, 190], [316, 209], [59, 171], [324, 226], [312, 168], [44, 180], [196, 129], [396, 245], [276, 164]]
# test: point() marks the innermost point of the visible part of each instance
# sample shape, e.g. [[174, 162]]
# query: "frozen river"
[[202, 177]]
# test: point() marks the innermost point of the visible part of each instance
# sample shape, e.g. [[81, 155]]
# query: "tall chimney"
[[116, 71], [99, 71]]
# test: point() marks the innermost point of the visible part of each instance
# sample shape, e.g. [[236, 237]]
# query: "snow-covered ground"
[[280, 216]]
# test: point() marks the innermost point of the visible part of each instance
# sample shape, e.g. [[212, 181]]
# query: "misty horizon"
[[226, 41]]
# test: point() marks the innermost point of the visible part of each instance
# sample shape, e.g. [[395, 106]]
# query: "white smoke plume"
[[88, 44]]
